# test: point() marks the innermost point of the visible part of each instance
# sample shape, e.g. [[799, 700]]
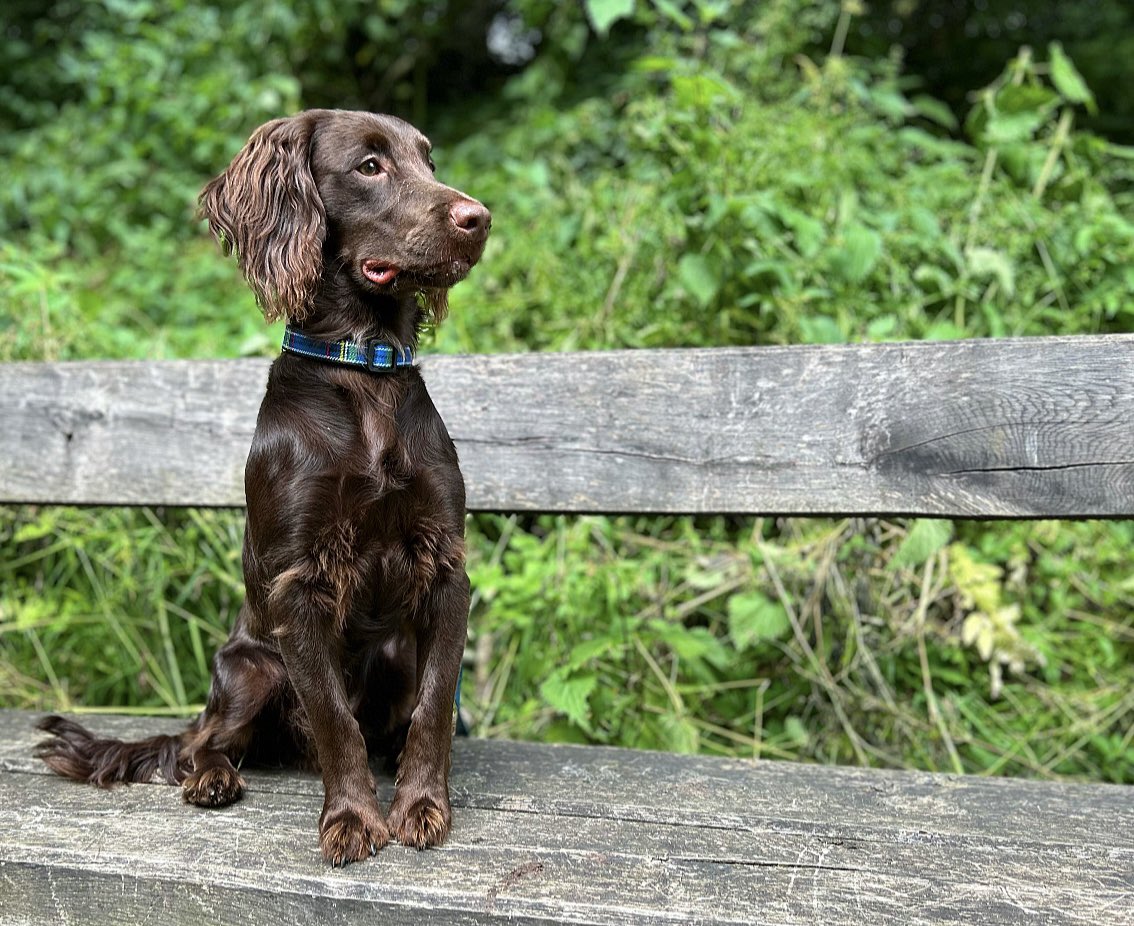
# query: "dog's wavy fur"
[[351, 635]]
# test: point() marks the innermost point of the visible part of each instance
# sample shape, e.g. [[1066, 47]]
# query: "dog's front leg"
[[351, 826], [420, 815]]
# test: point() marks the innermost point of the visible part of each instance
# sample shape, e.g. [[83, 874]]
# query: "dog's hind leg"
[[247, 676]]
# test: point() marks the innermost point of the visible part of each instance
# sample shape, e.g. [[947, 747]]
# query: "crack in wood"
[[69, 420], [951, 436], [549, 445], [514, 877], [936, 439], [621, 813], [1054, 467], [540, 443], [754, 863]]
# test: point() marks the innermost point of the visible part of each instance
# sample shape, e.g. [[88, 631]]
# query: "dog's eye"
[[370, 167], [432, 166]]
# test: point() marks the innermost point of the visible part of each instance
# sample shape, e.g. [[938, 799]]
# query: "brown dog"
[[357, 598]]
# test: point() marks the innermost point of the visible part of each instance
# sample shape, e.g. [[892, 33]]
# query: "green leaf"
[[753, 618], [926, 537], [855, 258], [672, 11], [795, 731], [809, 232], [1004, 128], [935, 111], [43, 525], [563, 731], [678, 734], [986, 262], [820, 329], [698, 277], [569, 696], [692, 644], [890, 102], [882, 327], [605, 13], [1067, 79], [608, 647], [944, 331], [695, 90], [655, 63]]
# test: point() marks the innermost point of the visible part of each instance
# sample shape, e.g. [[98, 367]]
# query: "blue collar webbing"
[[373, 356]]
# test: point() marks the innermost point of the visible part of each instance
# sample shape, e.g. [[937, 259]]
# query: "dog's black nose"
[[470, 217]]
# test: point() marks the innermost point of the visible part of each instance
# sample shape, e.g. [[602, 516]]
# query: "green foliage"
[[754, 618], [799, 639], [115, 606], [661, 174], [117, 112], [605, 13], [846, 217], [925, 537], [1098, 35], [126, 144]]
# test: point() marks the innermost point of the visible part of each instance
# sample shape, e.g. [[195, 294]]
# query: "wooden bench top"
[[1033, 427], [574, 834]]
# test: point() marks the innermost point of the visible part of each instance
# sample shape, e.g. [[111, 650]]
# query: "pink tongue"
[[379, 273]]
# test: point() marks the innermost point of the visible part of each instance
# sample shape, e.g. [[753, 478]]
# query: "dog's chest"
[[382, 450], [406, 497]]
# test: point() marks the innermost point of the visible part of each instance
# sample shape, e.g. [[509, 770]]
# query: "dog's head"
[[350, 190]]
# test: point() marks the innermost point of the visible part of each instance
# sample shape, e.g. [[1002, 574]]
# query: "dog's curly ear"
[[267, 209]]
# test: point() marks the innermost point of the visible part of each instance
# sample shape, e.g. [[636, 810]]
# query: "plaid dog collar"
[[373, 356]]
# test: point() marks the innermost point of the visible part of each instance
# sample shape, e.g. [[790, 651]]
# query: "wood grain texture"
[[588, 835], [1006, 428]]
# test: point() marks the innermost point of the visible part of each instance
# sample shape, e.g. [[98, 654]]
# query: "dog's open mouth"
[[445, 273], [379, 272]]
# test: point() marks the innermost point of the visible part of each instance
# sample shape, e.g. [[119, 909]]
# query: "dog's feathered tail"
[[75, 752]]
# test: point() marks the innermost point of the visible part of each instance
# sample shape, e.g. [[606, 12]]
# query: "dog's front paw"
[[213, 787], [420, 820], [352, 835]]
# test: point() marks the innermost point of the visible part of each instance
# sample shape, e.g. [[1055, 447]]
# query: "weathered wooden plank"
[[1007, 428], [544, 848], [58, 854], [128, 433], [291, 817], [712, 793]]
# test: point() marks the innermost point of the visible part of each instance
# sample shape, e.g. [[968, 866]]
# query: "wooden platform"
[[574, 834]]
